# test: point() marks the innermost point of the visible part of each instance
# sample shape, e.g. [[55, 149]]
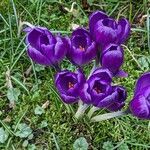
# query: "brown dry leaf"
[[28, 71], [74, 26], [46, 104], [9, 86], [7, 119], [143, 19], [12, 105], [72, 10], [8, 79]]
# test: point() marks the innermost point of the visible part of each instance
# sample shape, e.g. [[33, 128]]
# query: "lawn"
[[32, 115]]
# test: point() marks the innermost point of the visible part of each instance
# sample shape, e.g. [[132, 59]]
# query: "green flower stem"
[[92, 110], [109, 116], [80, 103], [81, 110]]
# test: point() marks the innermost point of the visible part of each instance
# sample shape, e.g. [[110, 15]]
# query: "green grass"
[[62, 128]]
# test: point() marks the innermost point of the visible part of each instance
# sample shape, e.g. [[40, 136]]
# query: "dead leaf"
[[28, 71], [74, 26], [8, 79], [46, 104], [7, 119]]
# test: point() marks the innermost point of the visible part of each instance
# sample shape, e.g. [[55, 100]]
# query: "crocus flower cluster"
[[96, 90], [100, 42]]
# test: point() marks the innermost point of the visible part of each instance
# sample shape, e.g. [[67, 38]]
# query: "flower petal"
[[143, 81], [80, 31], [112, 59], [94, 18], [60, 51], [123, 30], [76, 56], [108, 100], [68, 99], [48, 52], [139, 107], [85, 95], [37, 56], [122, 73], [104, 74], [91, 52], [104, 34]]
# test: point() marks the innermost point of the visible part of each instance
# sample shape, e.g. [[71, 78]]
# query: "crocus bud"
[[83, 48], [112, 58], [69, 85], [140, 104], [106, 30], [44, 48]]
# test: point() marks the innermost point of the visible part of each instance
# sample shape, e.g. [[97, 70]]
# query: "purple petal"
[[62, 78], [76, 56], [27, 29], [108, 100], [94, 18], [116, 106], [104, 34], [81, 77], [139, 107], [80, 31], [91, 52], [122, 74], [60, 51], [143, 81], [33, 38], [36, 37], [123, 30], [68, 99], [37, 56], [120, 95], [104, 74], [48, 52], [85, 95], [112, 60]]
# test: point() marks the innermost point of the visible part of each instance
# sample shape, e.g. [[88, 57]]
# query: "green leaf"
[[90, 2], [123, 146], [39, 68], [12, 94], [31, 147], [3, 135], [25, 143], [39, 110], [108, 145], [80, 144], [30, 136], [144, 62], [23, 130], [43, 124]]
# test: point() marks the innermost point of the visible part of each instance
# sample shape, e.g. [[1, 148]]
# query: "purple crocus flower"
[[112, 58], [99, 92], [140, 104], [69, 85], [120, 95], [44, 48], [83, 49], [106, 30]]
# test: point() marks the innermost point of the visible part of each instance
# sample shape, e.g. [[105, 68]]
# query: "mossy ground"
[[35, 89]]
